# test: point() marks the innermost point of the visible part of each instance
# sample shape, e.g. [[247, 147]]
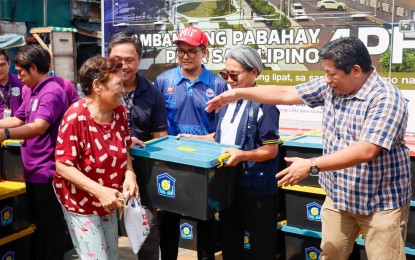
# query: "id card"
[[7, 113]]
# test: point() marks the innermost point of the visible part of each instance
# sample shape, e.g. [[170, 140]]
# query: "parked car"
[[331, 4], [297, 10]]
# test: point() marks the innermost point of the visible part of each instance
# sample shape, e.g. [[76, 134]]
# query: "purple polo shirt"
[[49, 102], [12, 92], [67, 86], [69, 89]]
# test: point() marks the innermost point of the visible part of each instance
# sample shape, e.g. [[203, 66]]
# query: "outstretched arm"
[[284, 95]]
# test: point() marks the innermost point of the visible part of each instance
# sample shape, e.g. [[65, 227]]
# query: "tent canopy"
[[10, 40]]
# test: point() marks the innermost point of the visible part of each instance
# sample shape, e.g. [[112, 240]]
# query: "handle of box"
[[223, 158]]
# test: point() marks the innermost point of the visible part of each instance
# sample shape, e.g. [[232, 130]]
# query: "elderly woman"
[[92, 160], [248, 228]]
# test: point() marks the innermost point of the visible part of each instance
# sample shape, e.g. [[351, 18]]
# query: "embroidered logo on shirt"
[[15, 91], [210, 93], [34, 105], [170, 90]]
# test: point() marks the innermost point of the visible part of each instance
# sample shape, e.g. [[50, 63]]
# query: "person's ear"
[[96, 86]]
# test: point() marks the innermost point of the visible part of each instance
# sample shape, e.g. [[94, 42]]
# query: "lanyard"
[[128, 102], [6, 98]]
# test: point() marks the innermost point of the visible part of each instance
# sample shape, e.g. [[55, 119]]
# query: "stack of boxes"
[[302, 232], [303, 202], [183, 177], [14, 223]]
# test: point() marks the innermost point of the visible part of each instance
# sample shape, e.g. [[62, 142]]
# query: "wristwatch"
[[314, 170]]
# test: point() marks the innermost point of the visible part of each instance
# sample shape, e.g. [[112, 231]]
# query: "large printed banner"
[[288, 39]]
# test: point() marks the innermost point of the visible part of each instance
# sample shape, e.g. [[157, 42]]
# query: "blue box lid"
[[301, 231], [360, 241], [307, 141], [195, 152]]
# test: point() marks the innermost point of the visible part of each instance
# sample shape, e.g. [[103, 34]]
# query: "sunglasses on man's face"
[[233, 75]]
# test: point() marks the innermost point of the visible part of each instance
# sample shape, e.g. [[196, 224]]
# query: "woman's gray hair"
[[247, 56]]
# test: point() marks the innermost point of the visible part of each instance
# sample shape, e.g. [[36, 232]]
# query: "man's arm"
[[284, 95], [353, 155], [11, 122], [27, 131], [159, 134]]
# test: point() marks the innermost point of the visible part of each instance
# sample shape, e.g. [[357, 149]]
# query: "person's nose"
[[328, 79]]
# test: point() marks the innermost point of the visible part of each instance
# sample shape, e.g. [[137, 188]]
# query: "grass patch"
[[207, 9]]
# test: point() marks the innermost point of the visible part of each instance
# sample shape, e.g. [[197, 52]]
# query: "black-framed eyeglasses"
[[233, 75], [190, 53]]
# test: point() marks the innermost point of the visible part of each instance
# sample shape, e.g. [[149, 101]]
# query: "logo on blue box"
[[6, 216], [166, 185], [314, 211], [247, 243], [8, 256], [186, 231], [312, 253]]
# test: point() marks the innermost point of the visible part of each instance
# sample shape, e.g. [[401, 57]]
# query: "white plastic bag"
[[136, 223]]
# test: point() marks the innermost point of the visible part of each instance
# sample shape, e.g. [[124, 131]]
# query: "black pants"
[[249, 228], [49, 239], [170, 234]]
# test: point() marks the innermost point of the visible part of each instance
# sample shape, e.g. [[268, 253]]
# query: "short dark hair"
[[347, 52], [97, 68], [33, 54], [126, 37], [3, 52]]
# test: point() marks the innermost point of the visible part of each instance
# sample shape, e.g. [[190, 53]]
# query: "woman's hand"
[[189, 136], [235, 158], [130, 186], [110, 199], [136, 141]]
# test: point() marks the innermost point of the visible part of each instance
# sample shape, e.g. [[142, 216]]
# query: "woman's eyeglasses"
[[190, 53], [233, 75]]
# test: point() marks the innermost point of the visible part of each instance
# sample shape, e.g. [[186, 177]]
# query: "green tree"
[[284, 23], [408, 64]]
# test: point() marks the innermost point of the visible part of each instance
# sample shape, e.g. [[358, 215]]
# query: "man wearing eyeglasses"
[[10, 88], [186, 89]]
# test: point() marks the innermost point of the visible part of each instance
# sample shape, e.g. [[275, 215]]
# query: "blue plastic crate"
[[181, 176]]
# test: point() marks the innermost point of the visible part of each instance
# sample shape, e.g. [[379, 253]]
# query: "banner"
[[287, 35]]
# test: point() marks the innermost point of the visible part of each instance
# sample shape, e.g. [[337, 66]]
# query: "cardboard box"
[[14, 213], [305, 146], [17, 245], [183, 176], [303, 206]]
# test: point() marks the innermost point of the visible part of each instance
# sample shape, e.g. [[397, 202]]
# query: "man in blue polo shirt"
[[186, 89]]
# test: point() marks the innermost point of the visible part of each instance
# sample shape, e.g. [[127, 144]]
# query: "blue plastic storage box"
[[303, 206], [11, 161], [181, 176], [305, 146]]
